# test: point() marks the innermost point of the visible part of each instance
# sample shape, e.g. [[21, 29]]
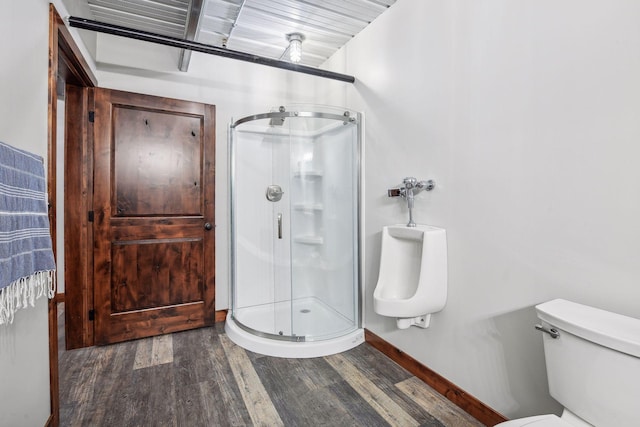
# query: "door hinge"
[[90, 216], [92, 315], [92, 116]]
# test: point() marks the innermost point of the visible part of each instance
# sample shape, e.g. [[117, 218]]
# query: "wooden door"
[[154, 174]]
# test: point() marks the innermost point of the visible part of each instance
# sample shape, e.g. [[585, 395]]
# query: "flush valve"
[[410, 187]]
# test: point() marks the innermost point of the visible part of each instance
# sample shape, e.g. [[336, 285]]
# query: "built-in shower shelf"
[[308, 207], [310, 174], [309, 240]]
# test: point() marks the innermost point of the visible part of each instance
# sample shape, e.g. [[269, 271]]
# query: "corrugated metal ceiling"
[[167, 17], [257, 27]]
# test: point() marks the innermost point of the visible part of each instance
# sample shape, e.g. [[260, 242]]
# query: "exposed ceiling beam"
[[194, 15]]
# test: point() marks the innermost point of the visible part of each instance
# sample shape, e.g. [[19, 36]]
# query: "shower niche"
[[295, 267]]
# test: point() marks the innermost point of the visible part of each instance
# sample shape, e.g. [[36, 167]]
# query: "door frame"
[[66, 65]]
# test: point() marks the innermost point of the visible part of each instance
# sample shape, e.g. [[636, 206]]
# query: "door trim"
[[62, 50]]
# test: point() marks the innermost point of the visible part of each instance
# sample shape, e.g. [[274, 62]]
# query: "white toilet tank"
[[593, 367]]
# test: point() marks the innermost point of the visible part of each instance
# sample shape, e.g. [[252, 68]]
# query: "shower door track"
[[291, 338], [346, 118]]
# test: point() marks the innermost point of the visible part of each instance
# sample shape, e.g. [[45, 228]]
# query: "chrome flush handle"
[[551, 331]]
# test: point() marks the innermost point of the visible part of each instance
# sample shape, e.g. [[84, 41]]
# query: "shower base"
[[326, 330]]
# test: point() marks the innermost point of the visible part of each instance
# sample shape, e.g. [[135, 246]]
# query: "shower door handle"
[[279, 226]]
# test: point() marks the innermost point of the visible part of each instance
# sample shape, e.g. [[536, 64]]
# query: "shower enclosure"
[[295, 203]]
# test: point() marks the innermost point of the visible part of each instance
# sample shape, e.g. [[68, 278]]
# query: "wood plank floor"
[[201, 378]]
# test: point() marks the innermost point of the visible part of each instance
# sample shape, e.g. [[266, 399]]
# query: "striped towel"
[[27, 266]]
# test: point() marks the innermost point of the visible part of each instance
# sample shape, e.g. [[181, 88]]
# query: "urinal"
[[412, 283]]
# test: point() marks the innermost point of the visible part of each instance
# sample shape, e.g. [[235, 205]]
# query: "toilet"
[[412, 282], [593, 366]]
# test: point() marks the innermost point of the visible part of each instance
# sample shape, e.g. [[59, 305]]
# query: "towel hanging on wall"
[[27, 267]]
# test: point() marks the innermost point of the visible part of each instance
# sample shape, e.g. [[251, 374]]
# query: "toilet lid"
[[537, 421]]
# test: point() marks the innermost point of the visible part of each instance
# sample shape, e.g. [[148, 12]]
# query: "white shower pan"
[[333, 333]]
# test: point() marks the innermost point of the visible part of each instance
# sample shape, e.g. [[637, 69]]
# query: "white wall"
[[24, 345], [527, 115]]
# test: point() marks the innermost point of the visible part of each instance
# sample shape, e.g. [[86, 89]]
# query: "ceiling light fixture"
[[295, 46]]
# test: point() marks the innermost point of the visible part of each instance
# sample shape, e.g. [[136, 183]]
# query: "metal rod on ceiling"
[[116, 30]]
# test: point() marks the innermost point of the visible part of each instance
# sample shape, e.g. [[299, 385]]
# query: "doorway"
[[73, 94]]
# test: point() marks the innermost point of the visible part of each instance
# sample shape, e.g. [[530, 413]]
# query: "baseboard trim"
[[455, 394], [221, 315]]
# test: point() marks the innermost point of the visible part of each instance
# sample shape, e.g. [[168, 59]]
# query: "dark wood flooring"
[[200, 378]]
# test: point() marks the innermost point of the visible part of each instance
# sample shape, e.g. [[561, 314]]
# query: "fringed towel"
[[27, 267]]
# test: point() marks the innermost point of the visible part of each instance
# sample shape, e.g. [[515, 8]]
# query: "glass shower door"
[[261, 293]]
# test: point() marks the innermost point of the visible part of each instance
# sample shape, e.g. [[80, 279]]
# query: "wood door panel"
[[154, 259], [155, 228], [172, 319], [148, 274], [157, 163]]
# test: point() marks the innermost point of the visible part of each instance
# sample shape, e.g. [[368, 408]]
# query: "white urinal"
[[412, 282]]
